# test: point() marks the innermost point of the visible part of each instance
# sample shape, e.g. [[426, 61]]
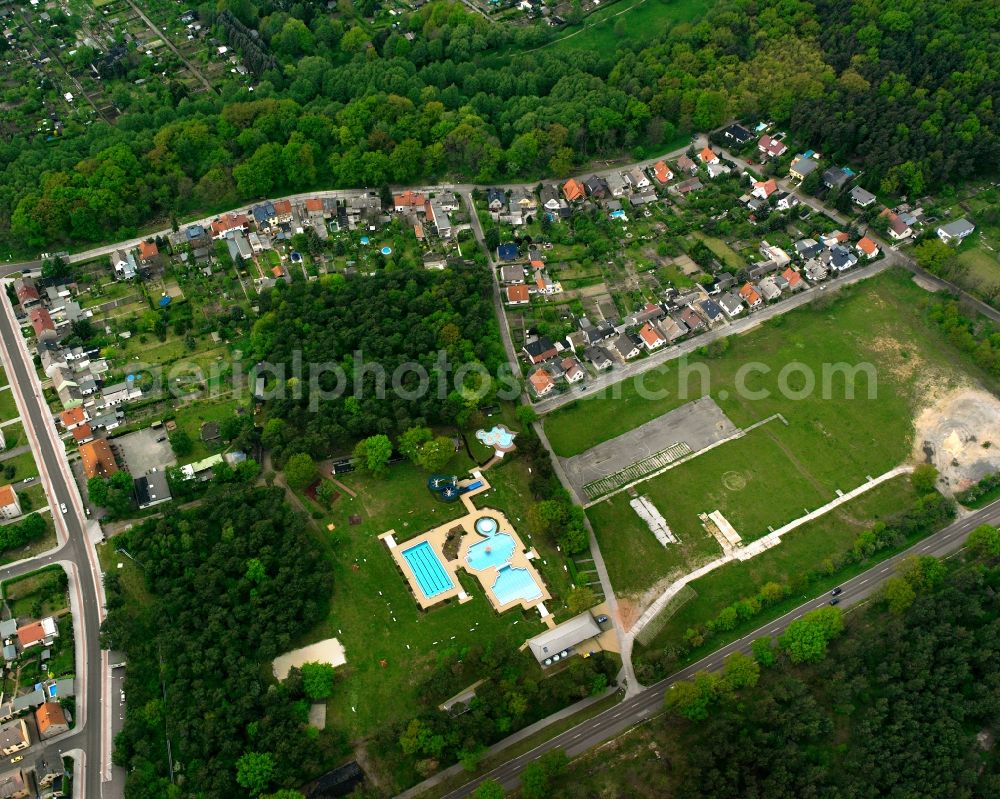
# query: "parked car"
[[602, 619]]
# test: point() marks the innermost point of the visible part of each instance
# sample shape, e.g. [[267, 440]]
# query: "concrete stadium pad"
[[690, 428]]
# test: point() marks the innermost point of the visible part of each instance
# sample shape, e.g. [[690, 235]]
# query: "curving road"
[[649, 703], [76, 553]]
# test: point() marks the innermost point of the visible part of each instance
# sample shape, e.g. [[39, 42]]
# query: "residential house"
[[595, 334], [839, 258], [552, 202], [41, 321], [541, 382], [750, 296], [898, 229], [768, 288], [48, 770], [74, 417], [737, 134], [617, 184], [714, 170], [862, 197], [836, 178], [708, 156], [540, 349], [868, 247], [763, 189], [731, 304], [688, 186], [124, 265], [149, 254], [807, 248], [496, 201], [507, 252], [439, 216], [14, 737], [785, 201], [573, 370], [596, 187], [644, 196], [803, 168], [118, 393], [711, 310], [283, 212], [775, 254], [685, 164], [448, 201], [258, 243], [511, 274], [98, 459], [152, 488], [408, 202], [51, 719], [694, 322], [232, 221], [816, 270], [37, 632], [652, 338], [673, 329], [518, 295], [27, 292], [599, 358], [14, 785], [573, 190], [955, 231], [10, 506], [626, 347], [83, 434], [239, 246], [264, 215], [771, 146], [637, 179], [662, 172], [793, 279]]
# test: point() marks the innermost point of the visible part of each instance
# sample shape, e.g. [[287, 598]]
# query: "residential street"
[[92, 734], [621, 717]]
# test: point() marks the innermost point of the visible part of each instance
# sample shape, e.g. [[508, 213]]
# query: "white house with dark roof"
[[562, 640], [955, 231]]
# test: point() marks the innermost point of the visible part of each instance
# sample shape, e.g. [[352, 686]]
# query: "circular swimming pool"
[[387, 250], [487, 525]]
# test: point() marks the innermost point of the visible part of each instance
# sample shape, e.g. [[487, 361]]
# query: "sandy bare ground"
[[329, 651], [960, 435]]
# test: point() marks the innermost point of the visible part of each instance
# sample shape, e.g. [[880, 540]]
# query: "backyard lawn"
[[36, 547], [23, 465], [190, 418]]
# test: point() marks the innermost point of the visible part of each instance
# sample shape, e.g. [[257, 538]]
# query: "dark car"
[[837, 591], [602, 619], [835, 601]]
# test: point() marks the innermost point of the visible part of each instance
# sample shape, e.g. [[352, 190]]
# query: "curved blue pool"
[[486, 525], [494, 551], [498, 438], [515, 584]]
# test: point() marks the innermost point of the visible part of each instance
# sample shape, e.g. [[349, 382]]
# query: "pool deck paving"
[[520, 558]]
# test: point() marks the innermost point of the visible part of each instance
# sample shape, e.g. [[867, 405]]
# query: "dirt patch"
[[960, 435], [926, 284]]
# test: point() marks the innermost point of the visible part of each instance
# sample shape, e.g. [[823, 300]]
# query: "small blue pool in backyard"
[[494, 551], [515, 584], [428, 570]]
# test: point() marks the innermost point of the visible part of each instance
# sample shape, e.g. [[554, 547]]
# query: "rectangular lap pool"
[[428, 570]]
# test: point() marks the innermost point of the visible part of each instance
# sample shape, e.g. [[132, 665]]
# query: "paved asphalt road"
[[92, 732], [615, 720]]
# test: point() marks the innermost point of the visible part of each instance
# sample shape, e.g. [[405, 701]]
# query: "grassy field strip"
[[757, 547]]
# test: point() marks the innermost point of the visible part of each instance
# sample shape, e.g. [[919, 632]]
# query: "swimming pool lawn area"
[[427, 568]]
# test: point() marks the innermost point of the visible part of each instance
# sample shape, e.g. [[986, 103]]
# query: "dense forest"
[[906, 703], [904, 90], [225, 589], [369, 327]]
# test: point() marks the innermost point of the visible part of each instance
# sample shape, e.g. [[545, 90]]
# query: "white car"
[[123, 696], [62, 507]]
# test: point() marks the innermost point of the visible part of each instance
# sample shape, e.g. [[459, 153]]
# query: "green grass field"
[[190, 419], [777, 472], [643, 20], [24, 466], [722, 250], [8, 406], [810, 547]]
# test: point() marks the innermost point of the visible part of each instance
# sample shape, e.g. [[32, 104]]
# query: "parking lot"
[[143, 450]]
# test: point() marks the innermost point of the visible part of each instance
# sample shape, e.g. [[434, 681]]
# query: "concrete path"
[[756, 547]]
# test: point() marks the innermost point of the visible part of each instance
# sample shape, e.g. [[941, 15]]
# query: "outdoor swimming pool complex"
[[511, 583], [427, 569]]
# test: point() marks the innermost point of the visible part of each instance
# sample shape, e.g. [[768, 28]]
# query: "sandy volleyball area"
[[329, 651]]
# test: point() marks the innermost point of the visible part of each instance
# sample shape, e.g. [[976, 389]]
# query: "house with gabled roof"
[[652, 338], [540, 349], [573, 371], [737, 133], [898, 229], [685, 164], [771, 146], [764, 188], [541, 382], [596, 187], [599, 357], [573, 191], [662, 173], [408, 201], [690, 318], [708, 156], [793, 279], [867, 247], [750, 296], [955, 231], [626, 347], [862, 197], [617, 184], [730, 304], [802, 168]]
